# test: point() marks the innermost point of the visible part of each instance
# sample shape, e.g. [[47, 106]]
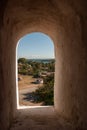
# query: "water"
[[42, 60]]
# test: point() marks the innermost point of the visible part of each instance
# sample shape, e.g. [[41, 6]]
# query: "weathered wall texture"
[[65, 21]]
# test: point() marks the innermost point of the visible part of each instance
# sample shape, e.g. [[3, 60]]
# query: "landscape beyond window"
[[36, 69]]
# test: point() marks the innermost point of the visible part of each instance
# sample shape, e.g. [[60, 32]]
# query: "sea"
[[42, 60]]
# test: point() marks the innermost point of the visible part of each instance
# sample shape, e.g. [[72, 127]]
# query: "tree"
[[45, 94], [22, 60]]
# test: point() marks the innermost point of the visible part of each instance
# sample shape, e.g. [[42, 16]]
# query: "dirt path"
[[26, 87]]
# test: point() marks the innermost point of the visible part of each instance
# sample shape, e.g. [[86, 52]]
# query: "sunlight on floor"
[[27, 107]]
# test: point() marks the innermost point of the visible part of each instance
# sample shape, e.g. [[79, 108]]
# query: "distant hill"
[[41, 60]]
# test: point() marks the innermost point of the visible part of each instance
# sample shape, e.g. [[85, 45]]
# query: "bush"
[[22, 60], [23, 71], [45, 94]]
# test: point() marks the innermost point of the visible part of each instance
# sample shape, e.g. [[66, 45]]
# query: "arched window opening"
[[35, 71]]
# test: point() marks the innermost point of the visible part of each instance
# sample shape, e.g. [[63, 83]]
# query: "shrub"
[[45, 94]]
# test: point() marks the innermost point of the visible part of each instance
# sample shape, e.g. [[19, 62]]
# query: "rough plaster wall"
[[65, 23], [4, 98], [70, 96]]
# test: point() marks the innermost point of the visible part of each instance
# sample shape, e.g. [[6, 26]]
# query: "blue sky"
[[35, 45]]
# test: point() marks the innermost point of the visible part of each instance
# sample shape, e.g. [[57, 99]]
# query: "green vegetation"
[[22, 60], [45, 94], [44, 70], [34, 68]]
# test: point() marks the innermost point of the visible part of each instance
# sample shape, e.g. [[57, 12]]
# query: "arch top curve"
[[46, 29]]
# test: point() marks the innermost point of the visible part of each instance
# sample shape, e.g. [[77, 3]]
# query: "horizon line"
[[36, 58]]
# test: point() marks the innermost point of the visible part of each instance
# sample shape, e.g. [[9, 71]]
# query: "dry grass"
[[25, 82], [24, 87]]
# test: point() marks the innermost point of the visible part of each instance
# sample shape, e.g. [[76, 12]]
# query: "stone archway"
[[65, 23]]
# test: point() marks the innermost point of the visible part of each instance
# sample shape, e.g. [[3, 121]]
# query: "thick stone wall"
[[66, 23]]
